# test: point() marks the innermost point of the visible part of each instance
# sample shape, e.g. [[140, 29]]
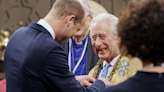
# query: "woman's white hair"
[[109, 18]]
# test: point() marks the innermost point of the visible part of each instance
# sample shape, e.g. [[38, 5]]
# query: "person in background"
[[36, 62], [142, 34], [81, 57], [105, 41]]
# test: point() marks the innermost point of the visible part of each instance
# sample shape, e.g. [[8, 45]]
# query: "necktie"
[[105, 71]]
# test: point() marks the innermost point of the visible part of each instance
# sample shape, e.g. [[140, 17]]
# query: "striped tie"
[[105, 71]]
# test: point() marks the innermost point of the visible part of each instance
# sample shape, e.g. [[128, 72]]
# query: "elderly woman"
[[141, 28]]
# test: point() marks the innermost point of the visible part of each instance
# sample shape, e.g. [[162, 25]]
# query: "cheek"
[[95, 51], [93, 43], [94, 47]]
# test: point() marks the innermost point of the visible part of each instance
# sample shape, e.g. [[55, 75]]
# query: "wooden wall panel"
[[118, 6], [97, 1], [108, 5], [18, 13], [113, 6]]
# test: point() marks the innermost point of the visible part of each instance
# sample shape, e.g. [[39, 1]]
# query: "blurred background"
[[18, 13]]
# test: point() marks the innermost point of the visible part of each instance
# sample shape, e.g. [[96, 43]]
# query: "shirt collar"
[[112, 63], [47, 27], [81, 42]]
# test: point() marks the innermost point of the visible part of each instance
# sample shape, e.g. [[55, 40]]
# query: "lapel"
[[38, 27], [89, 54]]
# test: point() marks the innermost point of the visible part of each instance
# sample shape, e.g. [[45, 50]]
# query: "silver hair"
[[90, 12], [109, 18]]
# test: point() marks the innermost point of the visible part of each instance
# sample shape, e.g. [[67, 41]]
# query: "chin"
[[102, 57]]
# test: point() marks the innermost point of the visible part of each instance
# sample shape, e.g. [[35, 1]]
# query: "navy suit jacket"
[[141, 82], [34, 62], [92, 58]]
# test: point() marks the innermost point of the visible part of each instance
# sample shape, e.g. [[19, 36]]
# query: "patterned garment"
[[124, 68]]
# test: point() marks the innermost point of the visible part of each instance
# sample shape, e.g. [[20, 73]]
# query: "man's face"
[[74, 27], [82, 31], [103, 42]]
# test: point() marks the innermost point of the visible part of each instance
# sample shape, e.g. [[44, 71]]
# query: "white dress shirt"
[[112, 63], [47, 27]]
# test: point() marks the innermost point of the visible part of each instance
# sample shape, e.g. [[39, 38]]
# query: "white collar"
[[79, 43], [47, 27], [112, 63]]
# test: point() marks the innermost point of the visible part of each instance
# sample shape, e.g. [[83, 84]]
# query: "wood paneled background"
[[18, 13]]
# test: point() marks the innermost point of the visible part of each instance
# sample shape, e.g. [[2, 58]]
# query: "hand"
[[107, 83], [85, 80]]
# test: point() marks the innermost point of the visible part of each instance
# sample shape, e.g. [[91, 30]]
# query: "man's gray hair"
[[109, 18], [90, 12]]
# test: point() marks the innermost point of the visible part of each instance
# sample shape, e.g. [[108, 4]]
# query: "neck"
[[117, 52], [56, 25], [60, 39], [80, 38], [111, 58]]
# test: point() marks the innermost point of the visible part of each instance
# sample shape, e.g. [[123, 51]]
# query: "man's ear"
[[90, 19], [118, 40], [70, 20]]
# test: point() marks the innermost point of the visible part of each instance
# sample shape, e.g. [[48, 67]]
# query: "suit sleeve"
[[56, 74]]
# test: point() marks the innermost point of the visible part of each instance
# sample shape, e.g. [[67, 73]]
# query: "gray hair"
[[90, 12], [111, 19]]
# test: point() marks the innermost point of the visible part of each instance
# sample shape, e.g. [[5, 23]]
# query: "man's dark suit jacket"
[[92, 58], [34, 62]]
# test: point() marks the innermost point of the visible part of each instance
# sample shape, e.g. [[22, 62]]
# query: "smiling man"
[[105, 42]]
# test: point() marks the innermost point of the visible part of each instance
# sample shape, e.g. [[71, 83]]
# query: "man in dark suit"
[[81, 57], [34, 59]]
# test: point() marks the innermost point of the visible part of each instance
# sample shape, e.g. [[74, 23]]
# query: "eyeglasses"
[[88, 15]]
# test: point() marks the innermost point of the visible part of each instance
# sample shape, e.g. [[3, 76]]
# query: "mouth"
[[101, 51]]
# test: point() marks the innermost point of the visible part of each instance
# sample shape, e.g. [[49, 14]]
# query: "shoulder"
[[131, 62], [122, 87], [46, 46]]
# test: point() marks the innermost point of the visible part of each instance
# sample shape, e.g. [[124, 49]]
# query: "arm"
[[85, 80], [56, 74]]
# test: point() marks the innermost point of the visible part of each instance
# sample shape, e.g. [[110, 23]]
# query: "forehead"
[[100, 27]]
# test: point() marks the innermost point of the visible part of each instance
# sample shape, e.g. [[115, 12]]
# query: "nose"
[[98, 42], [79, 29]]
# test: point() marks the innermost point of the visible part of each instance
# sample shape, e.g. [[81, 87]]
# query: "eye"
[[94, 37], [102, 36]]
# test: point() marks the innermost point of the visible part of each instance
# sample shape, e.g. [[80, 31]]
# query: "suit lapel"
[[89, 55]]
